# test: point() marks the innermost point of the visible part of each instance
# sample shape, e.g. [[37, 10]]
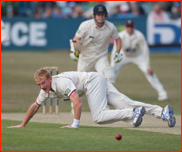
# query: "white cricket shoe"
[[167, 115], [162, 97], [137, 115]]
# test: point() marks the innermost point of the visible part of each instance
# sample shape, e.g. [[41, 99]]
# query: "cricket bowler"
[[99, 92]]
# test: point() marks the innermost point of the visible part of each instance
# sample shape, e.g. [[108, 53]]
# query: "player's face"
[[44, 83], [129, 29], [100, 18]]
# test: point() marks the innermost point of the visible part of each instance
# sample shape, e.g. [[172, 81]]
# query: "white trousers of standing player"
[[101, 92], [84, 66], [140, 62], [99, 64]]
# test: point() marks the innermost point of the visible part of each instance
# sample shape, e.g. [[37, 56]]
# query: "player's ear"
[[50, 79]]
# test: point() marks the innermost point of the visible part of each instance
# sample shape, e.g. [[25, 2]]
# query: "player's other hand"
[[74, 56], [69, 126], [17, 126], [117, 57], [150, 71]]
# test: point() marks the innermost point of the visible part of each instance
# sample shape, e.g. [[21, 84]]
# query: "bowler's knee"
[[97, 120]]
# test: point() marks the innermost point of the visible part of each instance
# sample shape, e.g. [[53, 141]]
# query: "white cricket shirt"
[[95, 40], [133, 45], [65, 84]]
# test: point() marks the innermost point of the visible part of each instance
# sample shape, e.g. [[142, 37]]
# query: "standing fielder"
[[92, 41], [99, 92], [4, 35], [135, 50]]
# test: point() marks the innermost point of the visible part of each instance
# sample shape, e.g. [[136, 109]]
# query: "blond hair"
[[42, 72]]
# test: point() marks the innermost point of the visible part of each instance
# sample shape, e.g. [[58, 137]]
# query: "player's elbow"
[[78, 104], [118, 40]]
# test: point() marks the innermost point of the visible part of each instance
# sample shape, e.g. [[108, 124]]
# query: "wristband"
[[118, 51], [75, 123]]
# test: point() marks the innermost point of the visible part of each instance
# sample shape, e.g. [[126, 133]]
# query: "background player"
[[135, 50], [92, 41], [72, 85]]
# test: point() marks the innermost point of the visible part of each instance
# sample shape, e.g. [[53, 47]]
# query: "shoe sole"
[[143, 111], [139, 119], [171, 121]]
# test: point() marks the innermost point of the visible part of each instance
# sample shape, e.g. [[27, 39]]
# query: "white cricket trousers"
[[101, 92], [140, 62], [84, 66], [99, 64]]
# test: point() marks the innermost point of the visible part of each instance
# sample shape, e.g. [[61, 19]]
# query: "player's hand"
[[150, 71], [117, 57], [69, 126], [17, 126], [74, 56]]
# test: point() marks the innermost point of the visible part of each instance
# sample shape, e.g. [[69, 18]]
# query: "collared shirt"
[[95, 40], [65, 84]]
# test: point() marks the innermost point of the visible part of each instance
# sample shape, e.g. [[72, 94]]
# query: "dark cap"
[[100, 9], [129, 23]]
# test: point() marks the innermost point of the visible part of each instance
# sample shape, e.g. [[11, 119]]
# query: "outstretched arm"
[[30, 113], [77, 105]]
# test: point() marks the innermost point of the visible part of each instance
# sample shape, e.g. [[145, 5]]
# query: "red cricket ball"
[[118, 136]]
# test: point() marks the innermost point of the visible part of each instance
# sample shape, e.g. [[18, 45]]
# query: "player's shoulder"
[[139, 33], [122, 33], [108, 23], [87, 22]]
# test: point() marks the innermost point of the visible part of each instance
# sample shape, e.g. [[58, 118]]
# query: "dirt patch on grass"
[[149, 122]]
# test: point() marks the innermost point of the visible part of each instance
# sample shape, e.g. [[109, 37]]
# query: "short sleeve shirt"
[[63, 88], [95, 40], [64, 85]]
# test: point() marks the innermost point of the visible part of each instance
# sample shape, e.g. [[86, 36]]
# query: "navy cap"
[[100, 9], [129, 23]]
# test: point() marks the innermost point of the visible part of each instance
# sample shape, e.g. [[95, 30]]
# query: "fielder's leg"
[[102, 66], [153, 80]]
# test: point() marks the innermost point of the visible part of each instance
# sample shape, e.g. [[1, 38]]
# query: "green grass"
[[49, 137], [19, 89]]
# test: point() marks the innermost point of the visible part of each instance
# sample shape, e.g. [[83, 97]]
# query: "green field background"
[[49, 137], [19, 89]]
